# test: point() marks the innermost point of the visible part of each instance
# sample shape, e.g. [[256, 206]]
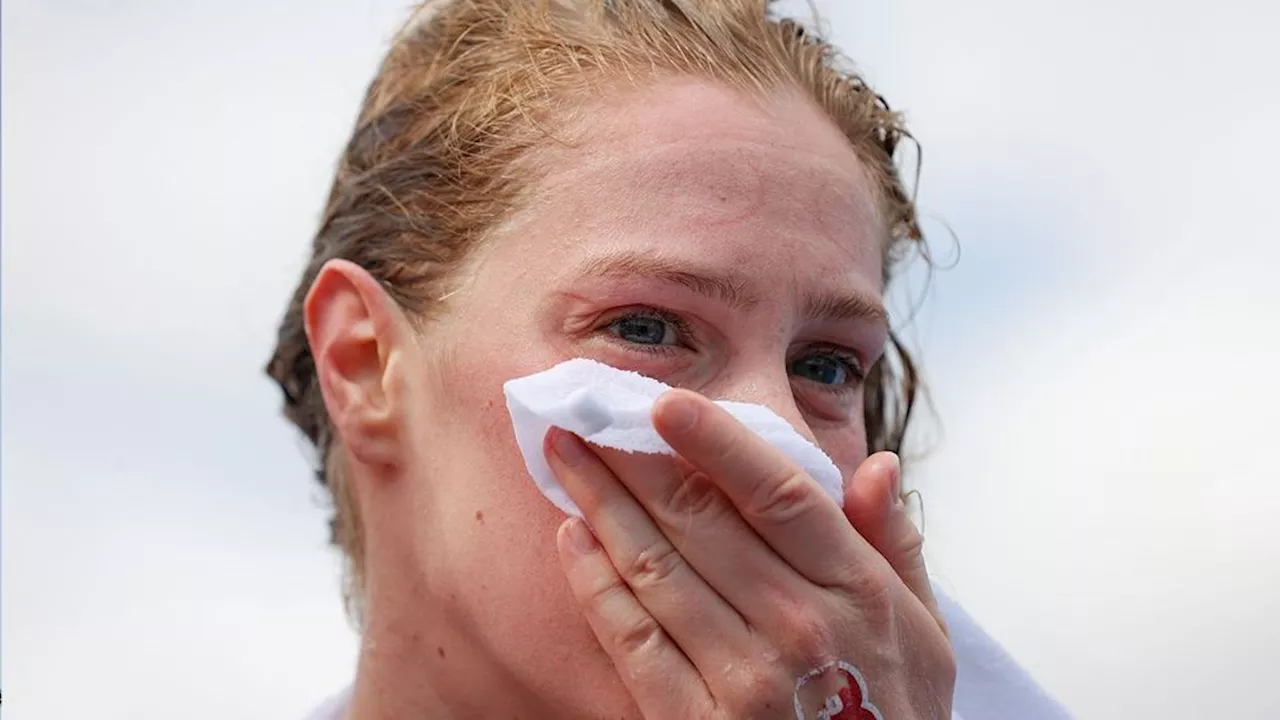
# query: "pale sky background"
[[1104, 497]]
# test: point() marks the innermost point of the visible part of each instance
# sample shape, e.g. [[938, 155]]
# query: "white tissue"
[[612, 408]]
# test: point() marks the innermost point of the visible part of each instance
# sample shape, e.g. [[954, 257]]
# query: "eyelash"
[[684, 331], [851, 362], [681, 327]]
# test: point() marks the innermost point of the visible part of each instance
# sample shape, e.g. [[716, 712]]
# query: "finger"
[[709, 533], [702, 624], [657, 674], [788, 509], [873, 504]]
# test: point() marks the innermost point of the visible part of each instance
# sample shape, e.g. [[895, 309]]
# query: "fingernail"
[[895, 481], [681, 412], [568, 447], [580, 536], [896, 485]]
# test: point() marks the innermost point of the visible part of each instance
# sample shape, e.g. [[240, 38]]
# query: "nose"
[[767, 386]]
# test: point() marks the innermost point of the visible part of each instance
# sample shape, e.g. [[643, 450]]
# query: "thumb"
[[873, 504]]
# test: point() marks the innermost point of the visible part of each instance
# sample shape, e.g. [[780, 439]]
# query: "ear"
[[359, 336]]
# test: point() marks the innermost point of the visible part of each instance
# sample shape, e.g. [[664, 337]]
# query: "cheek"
[[474, 470], [491, 550], [489, 534], [464, 411], [482, 346], [846, 446]]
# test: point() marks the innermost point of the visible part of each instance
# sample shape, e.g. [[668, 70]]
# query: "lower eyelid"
[[832, 404], [642, 348], [843, 389]]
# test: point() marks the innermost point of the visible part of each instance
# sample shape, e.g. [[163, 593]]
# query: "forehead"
[[689, 168]]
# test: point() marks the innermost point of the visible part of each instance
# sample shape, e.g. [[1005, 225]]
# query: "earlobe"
[[356, 332]]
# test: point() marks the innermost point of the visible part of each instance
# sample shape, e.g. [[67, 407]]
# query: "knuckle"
[[638, 637], [726, 447], [912, 542], [782, 500], [756, 686], [653, 566], [694, 496], [810, 639], [601, 595], [875, 596], [871, 589]]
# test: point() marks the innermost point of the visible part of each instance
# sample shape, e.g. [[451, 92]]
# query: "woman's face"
[[694, 235]]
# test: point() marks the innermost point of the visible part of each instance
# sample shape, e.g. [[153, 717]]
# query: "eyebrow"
[[726, 287], [713, 284], [854, 306]]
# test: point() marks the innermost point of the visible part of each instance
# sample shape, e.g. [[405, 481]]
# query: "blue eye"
[[645, 330], [824, 369]]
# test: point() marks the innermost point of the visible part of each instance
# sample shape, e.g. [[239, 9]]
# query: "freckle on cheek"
[[480, 516]]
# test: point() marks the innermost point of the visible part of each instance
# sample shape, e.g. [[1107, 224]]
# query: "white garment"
[[334, 708], [990, 684], [611, 408]]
